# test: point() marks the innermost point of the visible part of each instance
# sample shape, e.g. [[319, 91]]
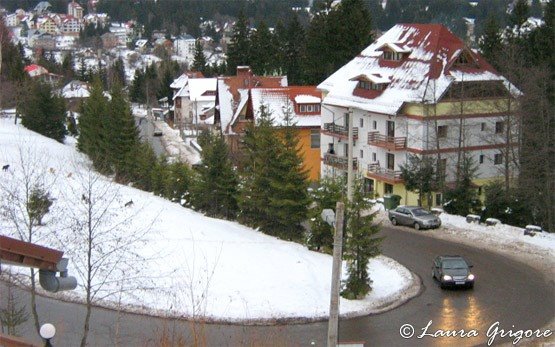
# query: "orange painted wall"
[[311, 156]]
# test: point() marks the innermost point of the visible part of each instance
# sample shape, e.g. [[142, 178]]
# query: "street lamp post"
[[47, 331]]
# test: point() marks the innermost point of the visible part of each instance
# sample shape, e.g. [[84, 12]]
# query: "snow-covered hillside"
[[173, 258]]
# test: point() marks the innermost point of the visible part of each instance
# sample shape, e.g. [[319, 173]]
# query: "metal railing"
[[339, 162], [340, 130], [389, 142], [377, 170]]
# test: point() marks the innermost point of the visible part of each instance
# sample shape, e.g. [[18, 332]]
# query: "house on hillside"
[[417, 90], [38, 72], [75, 92], [296, 106], [192, 101]]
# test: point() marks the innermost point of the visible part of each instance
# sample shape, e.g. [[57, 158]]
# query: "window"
[[499, 126], [390, 55], [309, 108], [345, 149], [374, 157], [330, 148], [498, 159], [442, 131], [390, 161], [387, 188], [481, 158], [374, 125], [370, 86], [315, 138], [362, 122], [439, 199], [483, 127], [361, 154]]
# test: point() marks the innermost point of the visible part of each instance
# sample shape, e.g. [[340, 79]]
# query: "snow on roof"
[[307, 99], [76, 89], [35, 70], [394, 47], [199, 86], [279, 101], [423, 75], [229, 93], [374, 78]]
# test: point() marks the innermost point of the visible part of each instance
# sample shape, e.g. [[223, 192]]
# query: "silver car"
[[414, 216]]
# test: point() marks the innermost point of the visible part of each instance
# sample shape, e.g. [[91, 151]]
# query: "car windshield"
[[454, 264], [420, 212]]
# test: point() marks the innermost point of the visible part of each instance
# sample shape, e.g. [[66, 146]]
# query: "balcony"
[[389, 142], [340, 131], [339, 161], [384, 174]]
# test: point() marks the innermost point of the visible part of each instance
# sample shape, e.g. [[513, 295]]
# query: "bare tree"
[[101, 241], [27, 173]]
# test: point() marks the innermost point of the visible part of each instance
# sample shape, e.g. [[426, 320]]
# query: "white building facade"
[[417, 91]]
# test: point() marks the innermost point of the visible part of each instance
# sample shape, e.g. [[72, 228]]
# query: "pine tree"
[[67, 67], [238, 52], [92, 136], [325, 196], [137, 90], [121, 135], [178, 183], [82, 73], [490, 43], [361, 244], [261, 147], [199, 61], [288, 183], [294, 51], [262, 42], [43, 111], [519, 15], [419, 176], [38, 205], [216, 188]]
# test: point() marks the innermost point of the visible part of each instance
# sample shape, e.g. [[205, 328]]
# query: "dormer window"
[[370, 85], [394, 56], [309, 108], [465, 59]]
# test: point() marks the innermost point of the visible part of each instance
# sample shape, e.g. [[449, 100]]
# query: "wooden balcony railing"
[[385, 174], [339, 161], [389, 142], [340, 130]]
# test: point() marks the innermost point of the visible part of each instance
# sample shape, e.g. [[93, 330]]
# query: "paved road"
[[506, 291], [146, 131]]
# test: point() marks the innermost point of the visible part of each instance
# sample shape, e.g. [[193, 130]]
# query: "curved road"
[[506, 291]]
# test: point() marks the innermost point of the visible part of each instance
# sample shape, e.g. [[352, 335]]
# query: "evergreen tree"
[[43, 111], [178, 183], [82, 73], [137, 90], [238, 52], [264, 61], [288, 183], [92, 136], [261, 148], [199, 61], [463, 199], [117, 73], [67, 67], [216, 188], [145, 165], [164, 89], [72, 125], [325, 196], [419, 176], [121, 135], [294, 51], [519, 15], [361, 244], [38, 205], [490, 43]]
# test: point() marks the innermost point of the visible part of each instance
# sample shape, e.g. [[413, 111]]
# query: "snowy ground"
[[174, 259]]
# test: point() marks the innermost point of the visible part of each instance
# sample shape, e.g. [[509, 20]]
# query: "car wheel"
[[416, 226], [393, 221]]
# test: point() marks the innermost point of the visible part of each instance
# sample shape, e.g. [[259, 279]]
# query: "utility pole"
[[336, 275], [350, 156]]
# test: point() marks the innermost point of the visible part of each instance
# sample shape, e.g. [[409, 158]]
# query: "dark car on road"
[[414, 216], [452, 271]]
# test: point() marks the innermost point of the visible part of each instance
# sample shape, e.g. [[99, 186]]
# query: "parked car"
[[414, 216], [452, 271]]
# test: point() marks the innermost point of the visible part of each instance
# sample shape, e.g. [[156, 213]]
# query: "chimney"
[[244, 71]]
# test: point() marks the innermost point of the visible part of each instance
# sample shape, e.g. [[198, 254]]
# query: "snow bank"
[[190, 265]]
